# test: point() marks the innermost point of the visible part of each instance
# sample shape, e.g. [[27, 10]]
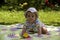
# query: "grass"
[[47, 17], [50, 17], [11, 17]]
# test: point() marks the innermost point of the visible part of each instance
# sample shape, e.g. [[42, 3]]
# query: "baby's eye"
[[28, 15], [32, 16]]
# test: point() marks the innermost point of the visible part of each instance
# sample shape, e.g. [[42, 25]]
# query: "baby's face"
[[31, 17]]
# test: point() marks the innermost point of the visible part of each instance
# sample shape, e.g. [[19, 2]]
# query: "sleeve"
[[25, 25], [40, 24]]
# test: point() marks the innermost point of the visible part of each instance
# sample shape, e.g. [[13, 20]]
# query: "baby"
[[32, 24]]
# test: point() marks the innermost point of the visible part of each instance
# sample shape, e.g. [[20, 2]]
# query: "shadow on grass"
[[53, 23], [3, 23], [50, 23], [56, 23]]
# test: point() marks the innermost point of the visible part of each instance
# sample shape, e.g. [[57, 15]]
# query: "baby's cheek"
[[34, 19]]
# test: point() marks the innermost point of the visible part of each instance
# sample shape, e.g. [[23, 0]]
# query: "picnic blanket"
[[9, 32]]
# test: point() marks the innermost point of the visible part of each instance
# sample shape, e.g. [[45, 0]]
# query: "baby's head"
[[31, 14]]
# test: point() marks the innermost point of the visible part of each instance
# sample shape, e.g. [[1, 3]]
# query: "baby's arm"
[[23, 30], [39, 30], [24, 33]]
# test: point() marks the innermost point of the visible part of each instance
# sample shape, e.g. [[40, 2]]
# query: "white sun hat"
[[31, 9]]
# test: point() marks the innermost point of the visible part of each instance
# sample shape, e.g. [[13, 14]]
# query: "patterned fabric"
[[34, 26]]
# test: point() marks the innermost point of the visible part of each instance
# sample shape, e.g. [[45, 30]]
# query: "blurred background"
[[12, 11]]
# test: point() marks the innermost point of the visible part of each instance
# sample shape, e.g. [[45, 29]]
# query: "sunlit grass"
[[47, 17], [11, 17], [50, 17]]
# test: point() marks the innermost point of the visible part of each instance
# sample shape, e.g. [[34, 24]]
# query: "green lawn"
[[50, 17], [47, 17]]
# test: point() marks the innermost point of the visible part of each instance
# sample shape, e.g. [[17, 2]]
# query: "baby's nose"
[[30, 17]]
